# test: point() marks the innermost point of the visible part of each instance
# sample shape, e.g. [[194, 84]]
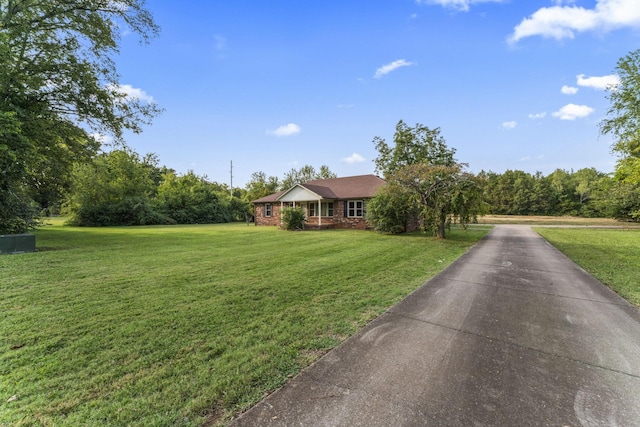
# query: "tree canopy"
[[623, 121], [418, 144], [305, 174], [425, 184], [59, 87]]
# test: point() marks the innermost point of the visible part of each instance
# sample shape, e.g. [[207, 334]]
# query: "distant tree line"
[[585, 193]]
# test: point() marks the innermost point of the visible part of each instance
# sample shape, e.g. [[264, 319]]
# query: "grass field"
[[185, 325], [555, 220], [613, 256]]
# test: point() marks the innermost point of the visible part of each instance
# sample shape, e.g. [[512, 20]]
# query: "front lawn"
[[185, 325]]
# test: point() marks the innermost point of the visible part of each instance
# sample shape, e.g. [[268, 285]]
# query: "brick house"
[[327, 203]]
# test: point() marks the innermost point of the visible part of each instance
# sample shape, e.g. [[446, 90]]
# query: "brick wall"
[[261, 219], [338, 220]]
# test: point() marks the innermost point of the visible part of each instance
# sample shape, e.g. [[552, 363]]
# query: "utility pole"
[[231, 172]]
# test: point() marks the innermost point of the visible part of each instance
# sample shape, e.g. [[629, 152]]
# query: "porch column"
[[319, 213]]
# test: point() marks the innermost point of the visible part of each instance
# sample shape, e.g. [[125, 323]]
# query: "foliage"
[[114, 189], [187, 325], [425, 180], [392, 210], [412, 145], [305, 174], [515, 192], [58, 81], [260, 186], [620, 200], [293, 218], [624, 117], [444, 193], [18, 212], [190, 199]]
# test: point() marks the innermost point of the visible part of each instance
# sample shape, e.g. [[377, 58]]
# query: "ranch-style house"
[[327, 203]]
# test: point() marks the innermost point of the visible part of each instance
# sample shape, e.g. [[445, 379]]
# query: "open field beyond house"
[[534, 220], [186, 325]]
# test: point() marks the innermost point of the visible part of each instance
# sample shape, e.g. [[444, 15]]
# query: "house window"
[[355, 208], [268, 209], [326, 209]]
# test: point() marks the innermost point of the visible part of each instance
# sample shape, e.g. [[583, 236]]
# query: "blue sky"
[[276, 85]]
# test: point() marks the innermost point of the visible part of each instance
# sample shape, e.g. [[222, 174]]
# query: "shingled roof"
[[349, 187]]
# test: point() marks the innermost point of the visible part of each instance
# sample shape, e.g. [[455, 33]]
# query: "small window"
[[268, 209], [355, 208], [312, 209]]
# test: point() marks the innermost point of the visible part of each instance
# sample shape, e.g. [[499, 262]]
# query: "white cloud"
[[134, 93], [509, 125], [573, 111], [535, 116], [354, 158], [386, 69], [569, 90], [602, 82], [286, 130], [462, 5], [560, 22]]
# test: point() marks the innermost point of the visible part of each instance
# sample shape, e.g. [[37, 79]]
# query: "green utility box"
[[17, 243]]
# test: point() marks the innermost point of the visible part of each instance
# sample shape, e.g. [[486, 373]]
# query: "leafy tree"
[[59, 82], [619, 200], [563, 187], [624, 121], [260, 186], [444, 193], [305, 174], [586, 181], [423, 179], [18, 212], [412, 145]]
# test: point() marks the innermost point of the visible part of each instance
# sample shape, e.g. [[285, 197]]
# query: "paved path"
[[511, 334]]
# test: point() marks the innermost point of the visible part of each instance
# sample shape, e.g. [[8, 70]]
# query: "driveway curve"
[[512, 333]]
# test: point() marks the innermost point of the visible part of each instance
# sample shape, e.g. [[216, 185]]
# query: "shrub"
[[293, 218]]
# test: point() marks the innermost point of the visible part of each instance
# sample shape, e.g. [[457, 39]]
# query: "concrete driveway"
[[512, 334]]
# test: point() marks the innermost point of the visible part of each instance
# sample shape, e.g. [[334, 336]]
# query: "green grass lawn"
[[185, 325], [612, 256]]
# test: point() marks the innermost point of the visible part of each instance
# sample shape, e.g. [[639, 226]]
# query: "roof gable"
[[298, 193]]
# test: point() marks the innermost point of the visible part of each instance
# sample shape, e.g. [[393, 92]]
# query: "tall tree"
[[624, 118], [59, 81], [423, 179], [260, 185], [443, 193], [419, 144]]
